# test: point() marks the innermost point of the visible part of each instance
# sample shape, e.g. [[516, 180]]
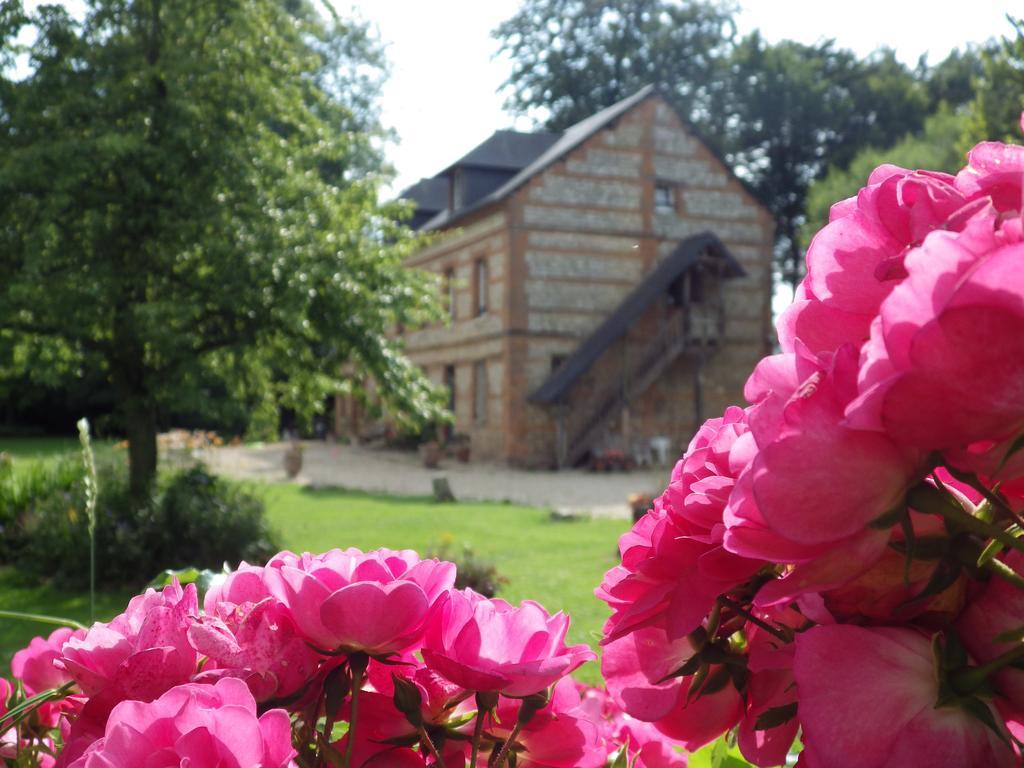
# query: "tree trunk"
[[140, 424]]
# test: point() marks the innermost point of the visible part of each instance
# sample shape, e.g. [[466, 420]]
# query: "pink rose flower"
[[560, 735], [8, 737], [644, 745], [673, 564], [638, 670], [34, 667], [376, 602], [139, 654], [243, 585], [994, 172], [257, 642], [944, 367], [857, 258], [867, 699], [998, 607], [769, 687], [444, 708], [488, 645], [249, 634], [809, 474], [202, 726]]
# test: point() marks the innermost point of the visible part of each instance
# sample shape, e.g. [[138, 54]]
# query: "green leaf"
[[1011, 636], [980, 711], [1015, 446], [775, 717], [718, 754], [889, 518], [25, 708]]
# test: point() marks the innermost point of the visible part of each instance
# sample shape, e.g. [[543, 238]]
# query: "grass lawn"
[[25, 449], [17, 595]]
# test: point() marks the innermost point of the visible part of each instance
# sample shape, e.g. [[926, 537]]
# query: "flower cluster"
[[342, 658], [841, 557]]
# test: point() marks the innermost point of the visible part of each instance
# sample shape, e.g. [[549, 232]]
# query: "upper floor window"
[[664, 197], [449, 291], [482, 286], [449, 382]]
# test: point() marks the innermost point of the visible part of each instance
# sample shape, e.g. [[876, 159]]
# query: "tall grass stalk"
[[91, 491]]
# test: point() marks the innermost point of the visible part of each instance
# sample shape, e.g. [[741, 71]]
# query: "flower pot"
[[293, 461], [430, 454]]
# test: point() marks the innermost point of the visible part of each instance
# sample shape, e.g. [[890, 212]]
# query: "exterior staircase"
[[582, 430]]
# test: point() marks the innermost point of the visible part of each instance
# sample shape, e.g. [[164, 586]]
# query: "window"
[[664, 197], [480, 392], [449, 291], [482, 287], [556, 362], [449, 381]]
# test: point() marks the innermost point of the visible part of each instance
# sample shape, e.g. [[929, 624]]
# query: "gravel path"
[[573, 492]]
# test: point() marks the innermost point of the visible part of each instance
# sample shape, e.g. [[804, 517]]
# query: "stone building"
[[607, 286]]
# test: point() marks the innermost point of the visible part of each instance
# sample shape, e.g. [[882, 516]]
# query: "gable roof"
[[615, 326], [568, 141], [428, 194], [508, 150]]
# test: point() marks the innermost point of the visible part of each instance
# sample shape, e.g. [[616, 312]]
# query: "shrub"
[[207, 521], [472, 571], [193, 519], [22, 488]]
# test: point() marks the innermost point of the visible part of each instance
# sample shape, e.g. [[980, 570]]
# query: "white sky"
[[442, 95]]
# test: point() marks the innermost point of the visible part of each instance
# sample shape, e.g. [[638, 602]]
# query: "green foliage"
[[571, 58], [786, 110], [23, 489], [193, 519], [935, 147], [207, 521], [717, 754], [473, 571], [952, 81], [189, 204], [999, 100], [204, 579]]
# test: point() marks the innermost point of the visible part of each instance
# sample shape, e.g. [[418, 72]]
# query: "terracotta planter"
[[293, 461], [430, 454]]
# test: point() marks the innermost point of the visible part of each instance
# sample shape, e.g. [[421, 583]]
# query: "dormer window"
[[664, 197]]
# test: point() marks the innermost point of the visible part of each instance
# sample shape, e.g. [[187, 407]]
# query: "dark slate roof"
[[568, 141], [509, 150], [619, 322], [428, 194]]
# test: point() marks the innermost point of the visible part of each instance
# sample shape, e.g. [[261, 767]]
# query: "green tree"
[[952, 81], [935, 148], [189, 193], [999, 100], [788, 109], [571, 58]]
